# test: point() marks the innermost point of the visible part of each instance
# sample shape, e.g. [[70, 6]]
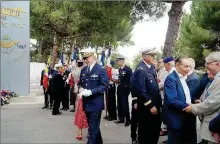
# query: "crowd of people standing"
[[166, 97]]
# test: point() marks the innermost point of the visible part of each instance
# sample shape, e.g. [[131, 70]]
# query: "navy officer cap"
[[120, 58], [149, 52], [168, 59]]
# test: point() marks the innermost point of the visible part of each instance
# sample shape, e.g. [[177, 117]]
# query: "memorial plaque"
[[15, 47]]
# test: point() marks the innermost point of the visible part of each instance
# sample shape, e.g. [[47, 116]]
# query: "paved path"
[[23, 121]]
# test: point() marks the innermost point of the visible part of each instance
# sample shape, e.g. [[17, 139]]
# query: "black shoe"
[[56, 113], [134, 142], [127, 124], [44, 107], [72, 110], [111, 119], [119, 121]]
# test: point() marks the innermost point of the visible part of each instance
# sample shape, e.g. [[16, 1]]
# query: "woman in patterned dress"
[[80, 118]]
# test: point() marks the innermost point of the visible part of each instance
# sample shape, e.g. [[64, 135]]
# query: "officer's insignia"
[[123, 72], [151, 81], [94, 76], [83, 74], [140, 68]]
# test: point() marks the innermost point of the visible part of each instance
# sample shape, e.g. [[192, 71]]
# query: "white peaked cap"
[[58, 65]]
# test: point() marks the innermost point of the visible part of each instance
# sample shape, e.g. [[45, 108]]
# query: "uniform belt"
[[134, 98]]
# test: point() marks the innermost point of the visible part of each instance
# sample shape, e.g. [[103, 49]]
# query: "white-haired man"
[[210, 99], [169, 66]]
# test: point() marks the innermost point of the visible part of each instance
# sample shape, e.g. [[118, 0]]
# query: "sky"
[[149, 35]]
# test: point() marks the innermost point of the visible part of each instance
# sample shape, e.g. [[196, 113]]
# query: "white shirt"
[[185, 87], [92, 65], [149, 66]]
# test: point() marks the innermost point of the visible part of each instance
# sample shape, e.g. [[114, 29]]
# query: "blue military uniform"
[[123, 92], [146, 88], [96, 81]]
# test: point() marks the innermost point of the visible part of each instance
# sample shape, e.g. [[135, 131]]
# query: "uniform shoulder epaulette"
[[140, 68]]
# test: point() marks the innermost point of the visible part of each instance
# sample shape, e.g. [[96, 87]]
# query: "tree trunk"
[[54, 51], [175, 15]]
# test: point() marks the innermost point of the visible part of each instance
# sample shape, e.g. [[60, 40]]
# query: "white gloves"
[[67, 81], [81, 89], [86, 93], [50, 76]]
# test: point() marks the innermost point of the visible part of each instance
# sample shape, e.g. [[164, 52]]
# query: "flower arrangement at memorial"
[[6, 95]]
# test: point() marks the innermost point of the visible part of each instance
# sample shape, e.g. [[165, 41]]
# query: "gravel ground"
[[28, 123]]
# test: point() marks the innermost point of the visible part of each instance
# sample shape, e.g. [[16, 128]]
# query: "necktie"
[[88, 70]]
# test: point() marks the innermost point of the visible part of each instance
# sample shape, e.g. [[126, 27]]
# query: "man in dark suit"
[[93, 83], [58, 89], [177, 97], [144, 85], [123, 92], [193, 82]]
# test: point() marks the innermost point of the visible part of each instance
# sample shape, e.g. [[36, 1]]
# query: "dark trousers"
[[57, 101], [73, 98], [51, 98], [123, 104], [148, 127], [46, 97], [94, 119], [177, 137], [134, 123], [186, 135], [65, 98], [111, 104]]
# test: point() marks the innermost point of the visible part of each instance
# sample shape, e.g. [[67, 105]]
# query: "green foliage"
[[199, 31], [137, 60], [97, 22]]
